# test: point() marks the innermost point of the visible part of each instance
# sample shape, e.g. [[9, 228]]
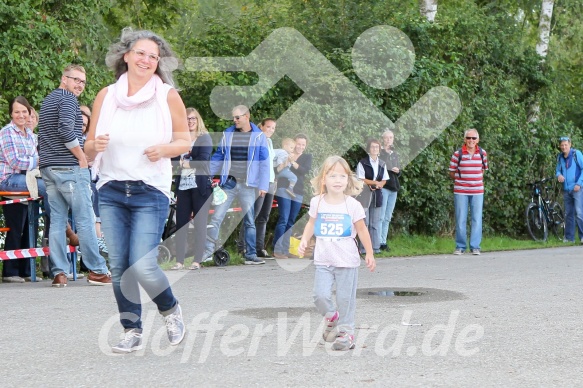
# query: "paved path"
[[499, 319]]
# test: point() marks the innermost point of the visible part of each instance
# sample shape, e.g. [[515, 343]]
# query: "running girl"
[[335, 219]]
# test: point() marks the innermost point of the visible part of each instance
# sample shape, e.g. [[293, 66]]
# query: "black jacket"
[[370, 197]]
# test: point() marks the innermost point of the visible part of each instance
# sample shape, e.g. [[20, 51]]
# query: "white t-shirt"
[[335, 232], [131, 132]]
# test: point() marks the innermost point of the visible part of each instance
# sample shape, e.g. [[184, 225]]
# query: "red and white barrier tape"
[[28, 253], [10, 201]]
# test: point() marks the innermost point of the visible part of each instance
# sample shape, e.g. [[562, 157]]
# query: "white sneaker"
[[330, 333], [458, 252], [12, 279], [131, 341], [175, 326], [344, 341], [79, 276]]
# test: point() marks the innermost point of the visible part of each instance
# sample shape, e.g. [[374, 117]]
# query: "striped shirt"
[[470, 178], [18, 151], [60, 126], [240, 154]]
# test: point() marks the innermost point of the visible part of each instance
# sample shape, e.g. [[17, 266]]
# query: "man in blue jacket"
[[242, 161], [568, 172]]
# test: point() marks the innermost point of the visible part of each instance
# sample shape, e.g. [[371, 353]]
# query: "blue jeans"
[[289, 175], [573, 214], [17, 182], [462, 203], [247, 196], [288, 212], [133, 216], [69, 187], [389, 200]]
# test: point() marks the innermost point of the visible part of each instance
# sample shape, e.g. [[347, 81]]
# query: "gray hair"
[[241, 108], [115, 61], [471, 130], [387, 132]]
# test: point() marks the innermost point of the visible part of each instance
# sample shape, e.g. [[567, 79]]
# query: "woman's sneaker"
[[344, 341], [175, 326], [131, 341], [329, 334]]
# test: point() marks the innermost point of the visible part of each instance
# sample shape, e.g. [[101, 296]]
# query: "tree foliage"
[[482, 49]]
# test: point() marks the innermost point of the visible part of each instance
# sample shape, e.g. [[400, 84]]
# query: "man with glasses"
[[65, 172], [568, 172], [242, 161], [466, 168]]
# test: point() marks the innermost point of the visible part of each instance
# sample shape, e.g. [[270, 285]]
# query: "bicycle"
[[542, 213]]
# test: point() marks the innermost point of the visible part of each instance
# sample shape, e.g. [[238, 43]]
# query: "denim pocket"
[[229, 184]]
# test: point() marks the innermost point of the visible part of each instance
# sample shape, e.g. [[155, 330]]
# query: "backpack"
[[574, 157], [460, 159]]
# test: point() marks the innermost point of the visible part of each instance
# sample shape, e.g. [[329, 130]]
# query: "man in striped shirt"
[[466, 168], [242, 161], [65, 172]]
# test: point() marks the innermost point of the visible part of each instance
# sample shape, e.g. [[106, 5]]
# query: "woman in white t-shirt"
[[138, 124], [335, 219]]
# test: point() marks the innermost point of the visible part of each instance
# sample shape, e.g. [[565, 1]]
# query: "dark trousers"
[[16, 218], [262, 218], [191, 202]]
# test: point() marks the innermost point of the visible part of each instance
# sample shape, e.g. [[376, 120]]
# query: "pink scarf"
[[117, 98]]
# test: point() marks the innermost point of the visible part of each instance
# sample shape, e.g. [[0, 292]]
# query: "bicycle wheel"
[[164, 255], [557, 220], [536, 223]]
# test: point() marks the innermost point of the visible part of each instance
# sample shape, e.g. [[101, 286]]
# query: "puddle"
[[396, 296], [407, 295], [395, 293]]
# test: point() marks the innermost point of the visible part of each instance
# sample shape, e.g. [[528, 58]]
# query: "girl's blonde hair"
[[354, 186], [200, 127]]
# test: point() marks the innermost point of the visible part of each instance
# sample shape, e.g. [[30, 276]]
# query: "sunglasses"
[[471, 138], [564, 138], [238, 117]]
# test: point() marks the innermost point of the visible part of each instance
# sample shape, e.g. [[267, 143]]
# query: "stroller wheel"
[[221, 257], [164, 254]]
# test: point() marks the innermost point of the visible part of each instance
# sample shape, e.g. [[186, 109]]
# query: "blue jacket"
[[257, 159], [570, 170]]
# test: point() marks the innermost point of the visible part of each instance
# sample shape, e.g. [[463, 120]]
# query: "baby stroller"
[[167, 248]]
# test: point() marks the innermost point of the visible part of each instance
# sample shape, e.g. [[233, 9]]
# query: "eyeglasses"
[[143, 55], [78, 81], [192, 118], [564, 138], [471, 138]]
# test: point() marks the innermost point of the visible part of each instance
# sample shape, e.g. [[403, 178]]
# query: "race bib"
[[333, 225]]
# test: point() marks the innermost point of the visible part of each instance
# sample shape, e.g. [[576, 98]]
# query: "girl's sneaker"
[[344, 341], [329, 334]]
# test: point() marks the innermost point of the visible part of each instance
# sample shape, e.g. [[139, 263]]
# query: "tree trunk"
[[428, 9], [544, 28], [542, 46]]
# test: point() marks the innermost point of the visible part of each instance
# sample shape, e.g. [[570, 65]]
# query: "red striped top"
[[470, 179]]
